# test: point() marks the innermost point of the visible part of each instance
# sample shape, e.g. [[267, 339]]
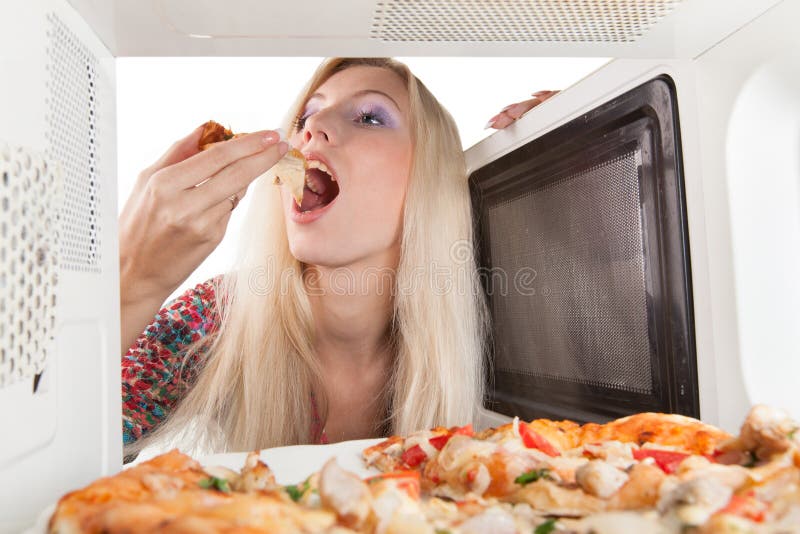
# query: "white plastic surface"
[[744, 108], [69, 432], [596, 28], [763, 161]]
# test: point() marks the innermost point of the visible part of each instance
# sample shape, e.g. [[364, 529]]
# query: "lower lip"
[[305, 217]]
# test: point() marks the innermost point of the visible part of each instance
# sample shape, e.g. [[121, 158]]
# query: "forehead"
[[361, 78]]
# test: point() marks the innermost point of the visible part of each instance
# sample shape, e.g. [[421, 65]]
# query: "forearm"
[[136, 312]]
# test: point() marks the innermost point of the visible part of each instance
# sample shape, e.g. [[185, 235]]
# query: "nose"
[[318, 127]]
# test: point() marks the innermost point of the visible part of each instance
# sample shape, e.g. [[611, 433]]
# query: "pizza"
[[290, 170], [644, 473], [213, 133]]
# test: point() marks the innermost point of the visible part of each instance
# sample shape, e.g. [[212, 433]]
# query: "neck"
[[352, 309]]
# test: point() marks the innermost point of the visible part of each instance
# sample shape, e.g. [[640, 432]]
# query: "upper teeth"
[[315, 164]]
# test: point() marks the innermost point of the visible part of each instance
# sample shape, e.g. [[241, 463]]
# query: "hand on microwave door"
[[177, 214], [512, 112]]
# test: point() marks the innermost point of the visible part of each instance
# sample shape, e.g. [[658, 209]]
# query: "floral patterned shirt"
[[152, 379]]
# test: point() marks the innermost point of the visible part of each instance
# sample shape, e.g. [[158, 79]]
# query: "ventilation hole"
[[37, 378]]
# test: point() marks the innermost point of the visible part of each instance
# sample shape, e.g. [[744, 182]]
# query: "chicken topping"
[[694, 501], [767, 431], [344, 493], [600, 478]]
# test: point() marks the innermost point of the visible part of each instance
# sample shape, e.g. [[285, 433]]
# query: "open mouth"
[[320, 188]]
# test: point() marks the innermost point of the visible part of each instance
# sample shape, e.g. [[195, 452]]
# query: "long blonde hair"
[[260, 371]]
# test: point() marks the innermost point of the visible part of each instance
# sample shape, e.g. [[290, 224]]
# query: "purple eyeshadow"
[[377, 113]]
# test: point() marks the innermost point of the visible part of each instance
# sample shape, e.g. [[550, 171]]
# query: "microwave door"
[[584, 259]]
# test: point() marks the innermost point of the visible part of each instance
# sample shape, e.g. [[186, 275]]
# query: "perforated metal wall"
[[582, 316], [72, 121], [599, 21], [29, 201]]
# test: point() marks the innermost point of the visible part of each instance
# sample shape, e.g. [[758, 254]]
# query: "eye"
[[370, 118]]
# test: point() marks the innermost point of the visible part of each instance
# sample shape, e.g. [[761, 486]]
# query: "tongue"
[[318, 179], [310, 201]]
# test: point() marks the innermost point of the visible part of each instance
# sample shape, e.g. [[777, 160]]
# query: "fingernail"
[[537, 93], [271, 138], [281, 133], [283, 148], [491, 122]]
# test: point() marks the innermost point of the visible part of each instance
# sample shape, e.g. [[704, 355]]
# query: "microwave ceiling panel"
[[588, 28]]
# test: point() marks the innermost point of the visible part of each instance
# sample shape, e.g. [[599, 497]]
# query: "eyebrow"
[[360, 93]]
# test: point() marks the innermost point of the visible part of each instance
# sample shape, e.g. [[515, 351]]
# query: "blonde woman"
[[356, 314]]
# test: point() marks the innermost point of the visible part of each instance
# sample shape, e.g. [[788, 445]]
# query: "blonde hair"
[[260, 372]]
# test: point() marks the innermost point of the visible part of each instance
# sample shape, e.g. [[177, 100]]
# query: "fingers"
[[511, 113], [235, 177], [500, 121], [195, 170], [179, 151], [223, 210], [544, 95], [521, 108]]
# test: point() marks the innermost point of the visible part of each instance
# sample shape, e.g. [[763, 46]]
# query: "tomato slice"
[[414, 456], [668, 461], [746, 506], [534, 440], [440, 441]]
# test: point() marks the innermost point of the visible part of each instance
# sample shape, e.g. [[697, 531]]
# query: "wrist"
[[135, 291]]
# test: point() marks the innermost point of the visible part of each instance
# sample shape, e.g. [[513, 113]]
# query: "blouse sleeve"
[[153, 380]]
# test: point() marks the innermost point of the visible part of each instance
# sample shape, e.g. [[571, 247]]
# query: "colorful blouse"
[[153, 381]]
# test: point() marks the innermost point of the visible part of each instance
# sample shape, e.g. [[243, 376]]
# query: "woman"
[[354, 315]]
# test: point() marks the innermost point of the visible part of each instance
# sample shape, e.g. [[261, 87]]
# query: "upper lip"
[[311, 156]]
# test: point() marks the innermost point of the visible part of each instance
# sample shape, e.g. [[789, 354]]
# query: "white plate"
[[290, 465], [294, 464]]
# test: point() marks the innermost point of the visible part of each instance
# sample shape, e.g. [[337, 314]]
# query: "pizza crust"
[[291, 171]]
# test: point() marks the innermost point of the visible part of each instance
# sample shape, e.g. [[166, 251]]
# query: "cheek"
[[385, 188]]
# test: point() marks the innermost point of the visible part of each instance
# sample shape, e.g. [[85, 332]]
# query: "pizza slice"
[[213, 133], [174, 493], [290, 170]]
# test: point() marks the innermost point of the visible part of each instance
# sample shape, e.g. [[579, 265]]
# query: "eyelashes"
[[365, 116], [300, 121]]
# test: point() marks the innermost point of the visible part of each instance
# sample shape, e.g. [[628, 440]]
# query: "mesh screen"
[[72, 119], [581, 21], [30, 196], [571, 256]]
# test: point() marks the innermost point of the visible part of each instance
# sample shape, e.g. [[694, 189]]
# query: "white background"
[[160, 100]]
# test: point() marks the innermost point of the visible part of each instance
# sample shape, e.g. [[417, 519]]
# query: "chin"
[[313, 252]]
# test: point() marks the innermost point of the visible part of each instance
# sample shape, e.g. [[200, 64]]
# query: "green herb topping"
[[296, 491], [219, 484], [546, 528], [532, 476]]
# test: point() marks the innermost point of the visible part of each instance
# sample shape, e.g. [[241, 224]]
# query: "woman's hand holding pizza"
[[177, 215]]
